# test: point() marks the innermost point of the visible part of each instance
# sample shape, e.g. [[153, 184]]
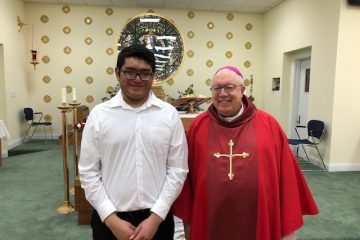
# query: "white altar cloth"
[[4, 133]]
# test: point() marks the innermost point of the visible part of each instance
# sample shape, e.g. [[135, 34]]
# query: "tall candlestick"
[[66, 207], [63, 96], [74, 94]]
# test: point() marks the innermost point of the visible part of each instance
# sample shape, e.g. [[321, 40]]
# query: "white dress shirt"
[[133, 158]]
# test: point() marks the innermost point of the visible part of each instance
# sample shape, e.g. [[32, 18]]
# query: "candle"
[[63, 96], [74, 94]]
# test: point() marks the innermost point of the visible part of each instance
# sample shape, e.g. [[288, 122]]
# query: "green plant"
[[189, 91]]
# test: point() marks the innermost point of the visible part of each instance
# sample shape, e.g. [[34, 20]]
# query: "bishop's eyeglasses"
[[131, 75], [228, 88]]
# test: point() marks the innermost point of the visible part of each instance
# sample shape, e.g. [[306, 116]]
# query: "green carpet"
[[31, 188]]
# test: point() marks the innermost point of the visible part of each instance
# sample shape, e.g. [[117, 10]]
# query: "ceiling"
[[244, 6]]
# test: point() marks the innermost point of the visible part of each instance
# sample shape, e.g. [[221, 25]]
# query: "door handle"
[[299, 120]]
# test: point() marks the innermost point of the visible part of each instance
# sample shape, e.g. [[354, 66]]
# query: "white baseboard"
[[4, 154], [14, 143], [17, 142], [336, 167], [344, 167], [41, 136]]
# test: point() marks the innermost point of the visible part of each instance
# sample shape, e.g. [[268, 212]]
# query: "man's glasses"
[[228, 88], [131, 75]]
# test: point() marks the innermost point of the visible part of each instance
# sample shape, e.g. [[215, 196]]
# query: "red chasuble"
[[268, 193]]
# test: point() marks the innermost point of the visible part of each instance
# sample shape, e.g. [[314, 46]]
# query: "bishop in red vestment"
[[244, 182]]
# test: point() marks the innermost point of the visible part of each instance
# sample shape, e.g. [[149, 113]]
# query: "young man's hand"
[[147, 228], [120, 228]]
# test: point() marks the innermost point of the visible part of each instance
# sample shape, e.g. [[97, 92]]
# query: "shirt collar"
[[229, 119], [118, 101]]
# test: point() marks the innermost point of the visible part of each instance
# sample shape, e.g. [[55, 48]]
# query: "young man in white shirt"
[[133, 159]]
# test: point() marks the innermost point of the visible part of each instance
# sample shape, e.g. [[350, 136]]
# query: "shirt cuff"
[[105, 209], [161, 209]]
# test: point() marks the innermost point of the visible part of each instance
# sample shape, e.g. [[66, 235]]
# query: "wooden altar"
[[83, 207]]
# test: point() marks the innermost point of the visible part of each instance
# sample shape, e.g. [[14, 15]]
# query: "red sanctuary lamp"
[[34, 58]]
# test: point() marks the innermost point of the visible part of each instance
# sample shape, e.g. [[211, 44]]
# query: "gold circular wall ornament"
[[67, 30], [89, 60], [89, 99], [44, 18], [45, 59], [210, 25], [208, 82], [109, 11], [47, 98], [48, 118], [248, 45], [249, 26], [89, 80], [229, 35], [191, 34], [247, 64], [161, 36], [67, 50], [67, 69], [230, 16], [190, 72], [209, 63], [246, 82], [228, 54], [88, 40], [190, 53], [210, 44], [150, 11], [66, 9], [88, 20], [45, 39], [191, 14], [109, 70], [170, 82], [109, 51], [46, 79], [109, 31], [110, 89], [68, 89]]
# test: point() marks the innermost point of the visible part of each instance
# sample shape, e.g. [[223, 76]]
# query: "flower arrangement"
[[187, 93], [79, 126]]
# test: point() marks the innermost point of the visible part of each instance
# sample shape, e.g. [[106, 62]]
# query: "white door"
[[301, 100]]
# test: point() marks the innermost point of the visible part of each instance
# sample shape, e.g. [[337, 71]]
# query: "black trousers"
[[102, 232]]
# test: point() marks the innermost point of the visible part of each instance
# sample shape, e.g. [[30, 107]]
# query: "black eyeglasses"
[[228, 88], [131, 75]]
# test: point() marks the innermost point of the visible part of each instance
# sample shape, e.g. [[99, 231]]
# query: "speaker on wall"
[[354, 2]]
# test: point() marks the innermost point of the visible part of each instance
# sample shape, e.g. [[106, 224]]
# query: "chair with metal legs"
[[33, 121], [315, 129]]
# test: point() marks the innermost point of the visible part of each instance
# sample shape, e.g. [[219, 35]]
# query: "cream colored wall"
[[345, 144], [53, 29], [295, 25], [15, 75]]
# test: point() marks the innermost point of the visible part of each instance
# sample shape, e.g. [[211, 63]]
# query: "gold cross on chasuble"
[[230, 156]]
